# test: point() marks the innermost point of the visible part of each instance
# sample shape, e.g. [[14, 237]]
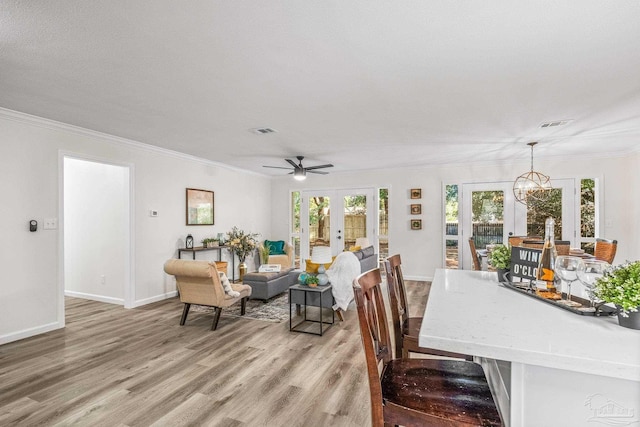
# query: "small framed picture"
[[416, 224], [416, 193], [416, 209]]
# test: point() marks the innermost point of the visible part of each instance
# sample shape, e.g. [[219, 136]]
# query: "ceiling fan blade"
[[319, 167], [292, 163], [318, 172], [276, 167]]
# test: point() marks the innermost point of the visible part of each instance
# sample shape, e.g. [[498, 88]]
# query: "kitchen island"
[[546, 366]]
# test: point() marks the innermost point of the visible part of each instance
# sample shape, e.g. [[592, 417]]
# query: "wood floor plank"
[[139, 367]]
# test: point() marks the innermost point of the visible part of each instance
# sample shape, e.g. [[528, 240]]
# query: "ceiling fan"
[[300, 172]]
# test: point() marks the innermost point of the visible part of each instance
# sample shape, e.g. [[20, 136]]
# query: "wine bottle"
[[548, 256]]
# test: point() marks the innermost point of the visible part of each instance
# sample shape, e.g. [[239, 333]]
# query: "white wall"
[[422, 250], [30, 148], [96, 230]]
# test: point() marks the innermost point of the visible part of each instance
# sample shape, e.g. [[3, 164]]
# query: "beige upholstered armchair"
[[199, 283], [285, 261]]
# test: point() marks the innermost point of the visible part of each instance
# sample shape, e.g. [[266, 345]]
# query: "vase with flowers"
[[621, 286], [242, 244]]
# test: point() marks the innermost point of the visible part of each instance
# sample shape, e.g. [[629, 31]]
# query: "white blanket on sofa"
[[343, 271]]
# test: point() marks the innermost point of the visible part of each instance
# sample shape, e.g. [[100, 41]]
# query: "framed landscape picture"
[[416, 224], [199, 207], [416, 209], [416, 193]]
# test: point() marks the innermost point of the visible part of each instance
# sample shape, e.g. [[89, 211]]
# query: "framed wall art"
[[416, 193], [416, 224], [416, 209], [199, 207]]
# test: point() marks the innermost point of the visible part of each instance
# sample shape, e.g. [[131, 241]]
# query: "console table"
[[210, 248]]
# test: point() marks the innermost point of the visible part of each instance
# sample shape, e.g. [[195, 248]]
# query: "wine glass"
[[589, 272], [566, 269]]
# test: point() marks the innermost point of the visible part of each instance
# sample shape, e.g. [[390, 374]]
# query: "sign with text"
[[524, 262]]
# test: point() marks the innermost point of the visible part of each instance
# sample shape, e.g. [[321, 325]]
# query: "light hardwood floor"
[[138, 367]]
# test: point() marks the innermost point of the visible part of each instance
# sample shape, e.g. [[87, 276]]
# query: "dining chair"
[[563, 247], [416, 392], [477, 265], [605, 250], [406, 329], [532, 243], [516, 241]]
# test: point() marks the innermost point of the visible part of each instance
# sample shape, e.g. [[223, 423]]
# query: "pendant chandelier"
[[532, 185]]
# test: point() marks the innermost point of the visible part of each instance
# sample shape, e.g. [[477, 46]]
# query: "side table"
[[303, 295]]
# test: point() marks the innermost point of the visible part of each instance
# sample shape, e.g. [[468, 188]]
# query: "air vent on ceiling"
[[555, 123], [263, 131]]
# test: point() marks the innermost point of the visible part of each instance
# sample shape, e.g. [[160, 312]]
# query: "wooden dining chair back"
[[406, 329], [532, 243], [477, 265], [416, 392], [605, 250], [516, 241], [563, 247]]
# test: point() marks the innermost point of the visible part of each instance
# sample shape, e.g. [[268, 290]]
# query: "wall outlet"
[[103, 280], [50, 223], [153, 213]]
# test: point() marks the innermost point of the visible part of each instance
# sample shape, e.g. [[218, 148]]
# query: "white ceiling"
[[360, 84]]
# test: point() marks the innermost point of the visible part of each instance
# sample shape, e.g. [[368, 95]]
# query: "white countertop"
[[470, 312]]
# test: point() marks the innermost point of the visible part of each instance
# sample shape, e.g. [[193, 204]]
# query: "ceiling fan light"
[[299, 174]]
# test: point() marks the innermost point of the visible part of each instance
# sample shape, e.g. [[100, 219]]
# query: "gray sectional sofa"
[[368, 258], [268, 285]]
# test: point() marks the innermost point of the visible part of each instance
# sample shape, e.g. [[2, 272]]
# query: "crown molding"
[[32, 120]]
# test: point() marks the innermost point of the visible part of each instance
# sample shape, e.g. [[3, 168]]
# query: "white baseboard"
[[99, 298], [156, 298], [15, 336]]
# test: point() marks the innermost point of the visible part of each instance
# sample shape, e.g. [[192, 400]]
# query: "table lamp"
[[363, 242], [321, 255]]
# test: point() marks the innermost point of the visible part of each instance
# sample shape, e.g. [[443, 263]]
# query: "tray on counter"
[[601, 310]]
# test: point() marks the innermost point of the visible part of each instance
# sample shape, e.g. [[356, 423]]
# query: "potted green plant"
[[264, 254], [206, 241], [621, 286], [500, 258], [312, 281]]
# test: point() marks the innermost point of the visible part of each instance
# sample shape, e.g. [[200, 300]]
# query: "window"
[[294, 233], [539, 210], [451, 246], [588, 209], [383, 223]]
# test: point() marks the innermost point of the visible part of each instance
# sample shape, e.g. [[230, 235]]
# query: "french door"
[[336, 218], [490, 214]]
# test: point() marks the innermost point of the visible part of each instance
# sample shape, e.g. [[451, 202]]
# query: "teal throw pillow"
[[276, 247]]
